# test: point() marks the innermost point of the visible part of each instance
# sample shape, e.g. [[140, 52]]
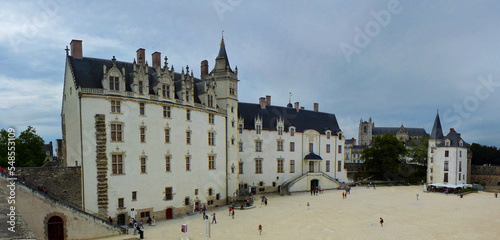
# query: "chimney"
[[452, 130], [262, 102], [316, 107], [302, 108], [268, 100], [296, 105], [156, 56], [204, 69], [76, 48], [459, 135], [141, 55], [353, 141]]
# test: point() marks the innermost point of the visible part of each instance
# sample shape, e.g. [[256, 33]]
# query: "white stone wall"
[[150, 186], [454, 160], [71, 120]]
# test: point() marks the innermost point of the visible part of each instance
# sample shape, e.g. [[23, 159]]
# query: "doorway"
[[120, 219], [55, 228], [314, 184], [168, 213]]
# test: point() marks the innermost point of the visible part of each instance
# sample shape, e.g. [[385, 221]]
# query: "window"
[[232, 123], [292, 146], [240, 167], [327, 165], [280, 165], [459, 177], [210, 192], [167, 163], [115, 106], [292, 166], [240, 128], [446, 165], [258, 165], [280, 145], [328, 134], [142, 110], [166, 112], [460, 153], [188, 163], [167, 135], [134, 196], [432, 170], [186, 201], [165, 90], [117, 163], [116, 132], [446, 153], [114, 84], [211, 138], [339, 148], [432, 159], [187, 95], [143, 134], [188, 115], [211, 162], [258, 129], [211, 118], [327, 148], [311, 147], [339, 166], [196, 191], [280, 130], [217, 196], [340, 136], [460, 167], [292, 132], [168, 193], [445, 177], [143, 164], [364, 129], [120, 203], [145, 214], [141, 87], [210, 101], [188, 137], [258, 145], [240, 146]]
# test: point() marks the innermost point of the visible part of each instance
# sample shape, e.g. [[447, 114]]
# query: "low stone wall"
[[486, 174], [37, 208], [62, 183]]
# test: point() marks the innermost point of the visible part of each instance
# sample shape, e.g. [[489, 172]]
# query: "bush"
[[480, 183], [467, 190]]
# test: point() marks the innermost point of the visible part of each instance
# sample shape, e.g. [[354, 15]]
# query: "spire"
[[222, 62], [437, 130]]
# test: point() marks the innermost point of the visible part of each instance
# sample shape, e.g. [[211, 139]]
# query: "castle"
[[155, 142], [367, 132]]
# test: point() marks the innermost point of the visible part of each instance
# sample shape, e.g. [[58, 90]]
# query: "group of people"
[[316, 190], [263, 200]]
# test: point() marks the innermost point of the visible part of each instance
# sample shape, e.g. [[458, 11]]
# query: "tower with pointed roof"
[[226, 91], [448, 160]]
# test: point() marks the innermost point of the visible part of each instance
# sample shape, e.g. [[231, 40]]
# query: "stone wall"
[[37, 208], [62, 183], [487, 174]]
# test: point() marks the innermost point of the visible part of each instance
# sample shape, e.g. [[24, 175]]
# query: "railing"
[[334, 180], [98, 91], [285, 188]]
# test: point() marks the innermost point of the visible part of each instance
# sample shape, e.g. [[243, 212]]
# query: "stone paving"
[[432, 216]]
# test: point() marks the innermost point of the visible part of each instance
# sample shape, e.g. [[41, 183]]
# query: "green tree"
[[28, 148], [384, 156], [485, 155], [418, 153]]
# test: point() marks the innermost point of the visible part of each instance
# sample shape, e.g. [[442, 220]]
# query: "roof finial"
[[290, 98], [166, 63], [222, 41], [67, 51]]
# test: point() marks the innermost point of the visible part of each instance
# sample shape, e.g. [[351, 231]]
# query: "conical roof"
[[437, 130]]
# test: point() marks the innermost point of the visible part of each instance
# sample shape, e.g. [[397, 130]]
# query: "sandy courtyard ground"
[[433, 216]]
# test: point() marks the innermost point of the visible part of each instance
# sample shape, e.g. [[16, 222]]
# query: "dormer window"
[[187, 96], [280, 130], [210, 102], [258, 128], [165, 91], [292, 131], [328, 134], [461, 143], [447, 143], [141, 87], [114, 83]]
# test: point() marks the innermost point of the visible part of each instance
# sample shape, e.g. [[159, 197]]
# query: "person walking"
[[417, 196], [232, 213], [214, 219], [381, 222], [260, 229], [307, 205]]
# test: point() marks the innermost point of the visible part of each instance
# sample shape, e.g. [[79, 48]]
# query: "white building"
[[159, 142], [448, 161]]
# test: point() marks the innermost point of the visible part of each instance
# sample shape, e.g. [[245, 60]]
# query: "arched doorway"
[[121, 219], [168, 213], [55, 227], [314, 184]]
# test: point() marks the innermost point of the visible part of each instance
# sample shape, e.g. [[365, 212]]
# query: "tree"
[[418, 153], [28, 148], [485, 155], [384, 156]]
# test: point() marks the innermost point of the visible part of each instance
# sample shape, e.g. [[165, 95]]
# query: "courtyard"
[[432, 216]]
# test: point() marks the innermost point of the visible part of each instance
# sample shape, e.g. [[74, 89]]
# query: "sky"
[[398, 62]]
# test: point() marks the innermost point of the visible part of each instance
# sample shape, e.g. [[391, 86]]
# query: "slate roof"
[[88, 73], [301, 120], [437, 130], [48, 148], [312, 156], [454, 140], [394, 130]]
